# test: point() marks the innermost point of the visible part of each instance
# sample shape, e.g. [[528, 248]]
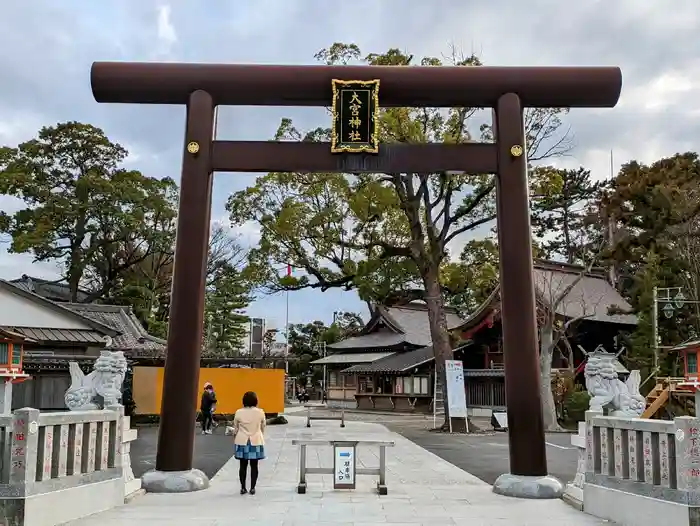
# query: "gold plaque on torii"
[[355, 116]]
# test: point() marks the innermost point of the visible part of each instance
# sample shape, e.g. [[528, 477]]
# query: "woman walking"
[[206, 407], [249, 441]]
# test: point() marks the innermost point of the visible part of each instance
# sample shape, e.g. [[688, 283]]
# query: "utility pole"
[[612, 271], [286, 340], [324, 352]]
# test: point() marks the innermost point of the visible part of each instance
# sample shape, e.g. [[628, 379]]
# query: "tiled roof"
[[591, 297], [376, 340], [42, 335], [132, 339], [396, 363], [351, 358], [12, 335], [391, 326], [60, 308], [51, 290]]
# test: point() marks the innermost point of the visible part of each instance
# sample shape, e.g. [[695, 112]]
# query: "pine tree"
[[225, 320], [561, 203]]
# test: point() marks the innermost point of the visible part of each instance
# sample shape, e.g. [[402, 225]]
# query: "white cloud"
[[166, 30], [46, 79], [664, 91]]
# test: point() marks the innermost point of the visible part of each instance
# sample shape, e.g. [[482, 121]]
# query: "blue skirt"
[[249, 452]]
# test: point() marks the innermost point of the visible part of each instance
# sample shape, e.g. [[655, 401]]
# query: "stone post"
[[25, 443], [573, 493], [132, 484], [688, 453], [6, 396], [126, 436]]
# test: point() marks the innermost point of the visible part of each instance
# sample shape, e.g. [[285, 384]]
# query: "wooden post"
[[519, 320], [180, 388]]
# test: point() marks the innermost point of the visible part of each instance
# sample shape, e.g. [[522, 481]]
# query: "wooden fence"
[[485, 388]]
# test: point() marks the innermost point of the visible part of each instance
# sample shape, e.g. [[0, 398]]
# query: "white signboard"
[[344, 467], [456, 396]]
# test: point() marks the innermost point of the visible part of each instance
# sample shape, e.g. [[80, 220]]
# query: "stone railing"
[[640, 471], [58, 467], [129, 435]]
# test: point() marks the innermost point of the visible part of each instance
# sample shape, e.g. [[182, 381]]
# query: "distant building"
[[278, 349], [256, 333], [254, 340]]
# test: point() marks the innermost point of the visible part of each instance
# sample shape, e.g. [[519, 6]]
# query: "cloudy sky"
[[48, 46]]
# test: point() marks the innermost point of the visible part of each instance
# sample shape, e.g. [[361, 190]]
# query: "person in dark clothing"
[[206, 406]]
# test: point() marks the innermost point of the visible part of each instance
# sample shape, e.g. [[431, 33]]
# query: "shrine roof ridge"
[[310, 85]]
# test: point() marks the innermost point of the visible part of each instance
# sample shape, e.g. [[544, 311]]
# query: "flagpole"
[[286, 338], [286, 332]]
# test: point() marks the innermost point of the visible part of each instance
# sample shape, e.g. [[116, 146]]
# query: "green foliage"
[[473, 278], [655, 212], [561, 202], [82, 209], [576, 405], [225, 321], [112, 229], [640, 353], [384, 235], [307, 341]]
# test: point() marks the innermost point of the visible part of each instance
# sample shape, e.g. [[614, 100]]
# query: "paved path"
[[482, 455], [211, 452], [423, 489], [486, 456]]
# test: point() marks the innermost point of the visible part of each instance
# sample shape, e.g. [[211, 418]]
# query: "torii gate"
[[507, 90]]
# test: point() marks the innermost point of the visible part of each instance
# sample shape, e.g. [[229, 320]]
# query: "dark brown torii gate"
[[508, 90]]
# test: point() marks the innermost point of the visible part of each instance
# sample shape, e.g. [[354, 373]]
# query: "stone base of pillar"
[[174, 481], [524, 487]]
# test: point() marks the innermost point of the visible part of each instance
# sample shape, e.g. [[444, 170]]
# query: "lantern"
[[11, 353], [690, 362]]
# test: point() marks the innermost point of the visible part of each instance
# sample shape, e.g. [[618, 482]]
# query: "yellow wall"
[[229, 385]]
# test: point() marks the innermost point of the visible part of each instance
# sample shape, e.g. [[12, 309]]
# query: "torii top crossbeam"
[[408, 86]]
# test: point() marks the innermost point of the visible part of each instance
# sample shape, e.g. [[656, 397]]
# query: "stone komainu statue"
[[608, 391], [99, 389]]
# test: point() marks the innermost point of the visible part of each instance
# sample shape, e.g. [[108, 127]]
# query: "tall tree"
[[80, 205], [340, 229], [561, 202], [146, 286], [224, 251], [470, 280], [115, 274], [225, 320], [654, 208]]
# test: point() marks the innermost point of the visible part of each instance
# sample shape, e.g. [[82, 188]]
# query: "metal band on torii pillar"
[[494, 87]]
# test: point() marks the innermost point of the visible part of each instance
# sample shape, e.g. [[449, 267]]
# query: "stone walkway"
[[423, 489]]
